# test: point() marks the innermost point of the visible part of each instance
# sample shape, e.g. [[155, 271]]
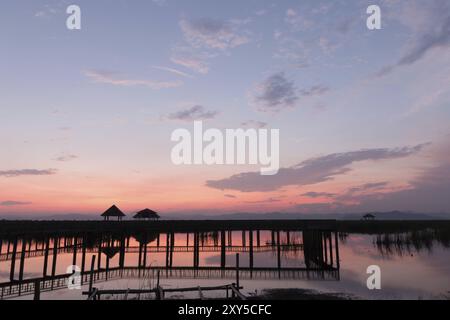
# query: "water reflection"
[[40, 262]]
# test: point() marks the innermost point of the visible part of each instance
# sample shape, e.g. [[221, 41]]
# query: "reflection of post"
[[237, 270], [75, 245], [145, 252], [288, 237], [55, 255], [222, 250], [13, 260], [99, 260], [172, 247], [251, 252], [244, 244], [273, 238], [83, 256], [331, 248], [167, 250], [91, 277], [278, 251], [337, 249], [122, 252], [22, 259], [47, 248], [258, 238]]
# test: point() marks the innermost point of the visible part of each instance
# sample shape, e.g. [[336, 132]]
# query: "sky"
[[86, 116]]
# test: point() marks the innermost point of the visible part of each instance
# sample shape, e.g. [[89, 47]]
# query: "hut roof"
[[113, 212], [369, 215], [146, 214]]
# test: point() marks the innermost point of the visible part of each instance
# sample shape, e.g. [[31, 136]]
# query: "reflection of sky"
[[420, 275]]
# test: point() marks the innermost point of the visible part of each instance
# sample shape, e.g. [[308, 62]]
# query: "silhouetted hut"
[[368, 216], [147, 214], [113, 212]]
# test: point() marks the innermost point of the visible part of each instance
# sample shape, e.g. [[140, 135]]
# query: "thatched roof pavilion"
[[113, 212], [147, 214]]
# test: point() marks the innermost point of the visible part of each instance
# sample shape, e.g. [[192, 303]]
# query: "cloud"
[[11, 203], [430, 22], [275, 93], [196, 112], [66, 157], [368, 187], [47, 11], [311, 171], [213, 34], [316, 90], [195, 64], [314, 195], [254, 124], [230, 196], [269, 200], [108, 77], [172, 70], [27, 172], [297, 21]]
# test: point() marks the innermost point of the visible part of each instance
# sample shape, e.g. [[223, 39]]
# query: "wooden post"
[[47, 248], [167, 250], [337, 250], [145, 252], [55, 255], [91, 276], [74, 259], [278, 250], [22, 258], [251, 251], [37, 290], [237, 270], [172, 247], [13, 260], [83, 257], [222, 250], [258, 238]]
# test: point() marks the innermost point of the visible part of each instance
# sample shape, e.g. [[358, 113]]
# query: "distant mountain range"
[[392, 215]]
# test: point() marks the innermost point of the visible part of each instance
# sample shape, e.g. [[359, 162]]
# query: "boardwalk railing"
[[153, 249]]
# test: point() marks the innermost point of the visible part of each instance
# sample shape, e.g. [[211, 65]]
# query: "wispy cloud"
[[172, 70], [316, 90], [27, 172], [254, 124], [112, 78], [313, 194], [11, 203], [213, 34], [66, 157], [310, 171], [196, 112], [196, 64]]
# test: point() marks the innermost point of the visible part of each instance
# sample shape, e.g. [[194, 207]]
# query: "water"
[[413, 266]]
